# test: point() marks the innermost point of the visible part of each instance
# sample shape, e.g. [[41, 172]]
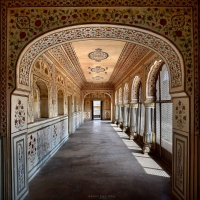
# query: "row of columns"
[[126, 118]]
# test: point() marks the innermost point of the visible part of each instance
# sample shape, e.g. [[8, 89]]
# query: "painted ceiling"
[[98, 63]]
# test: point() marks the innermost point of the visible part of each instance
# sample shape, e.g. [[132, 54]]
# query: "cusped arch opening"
[[159, 44]]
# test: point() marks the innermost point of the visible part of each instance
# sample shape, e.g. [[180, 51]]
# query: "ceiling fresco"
[[98, 62], [98, 58]]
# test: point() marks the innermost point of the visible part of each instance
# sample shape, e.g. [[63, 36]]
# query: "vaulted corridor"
[[99, 161]]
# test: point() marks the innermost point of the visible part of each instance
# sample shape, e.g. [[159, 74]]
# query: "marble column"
[[128, 120], [121, 114], [125, 117], [133, 121], [148, 146], [116, 114]]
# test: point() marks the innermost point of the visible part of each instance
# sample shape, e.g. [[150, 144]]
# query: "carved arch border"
[[135, 88], [162, 46], [151, 80], [109, 93], [126, 93]]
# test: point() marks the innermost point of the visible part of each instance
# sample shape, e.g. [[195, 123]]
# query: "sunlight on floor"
[[148, 164]]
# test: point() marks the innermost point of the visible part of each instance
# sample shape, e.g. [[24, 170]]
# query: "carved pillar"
[[128, 119], [148, 137], [133, 121], [121, 114], [116, 114], [125, 117]]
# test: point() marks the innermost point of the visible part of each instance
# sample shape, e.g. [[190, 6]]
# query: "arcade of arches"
[[138, 58]]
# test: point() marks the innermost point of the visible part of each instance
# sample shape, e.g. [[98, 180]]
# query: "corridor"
[[98, 161]]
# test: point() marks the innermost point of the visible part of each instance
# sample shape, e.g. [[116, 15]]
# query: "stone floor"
[[99, 162]]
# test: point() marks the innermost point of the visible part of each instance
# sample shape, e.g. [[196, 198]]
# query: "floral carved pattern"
[[97, 78], [20, 115], [97, 69], [20, 166], [120, 95], [179, 176], [102, 32], [32, 150], [54, 136], [126, 93], [87, 114], [98, 55], [180, 115], [135, 87]]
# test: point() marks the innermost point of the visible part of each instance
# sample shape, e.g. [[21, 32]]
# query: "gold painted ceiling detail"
[[117, 58], [98, 55], [129, 57]]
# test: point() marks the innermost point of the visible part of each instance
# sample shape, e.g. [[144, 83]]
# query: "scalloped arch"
[[153, 41], [135, 88], [126, 93]]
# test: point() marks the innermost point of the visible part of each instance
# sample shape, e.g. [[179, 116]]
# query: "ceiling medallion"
[[98, 55], [97, 69], [97, 78]]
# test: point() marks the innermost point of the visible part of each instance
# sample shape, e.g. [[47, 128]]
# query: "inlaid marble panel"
[[20, 183], [180, 165], [19, 113]]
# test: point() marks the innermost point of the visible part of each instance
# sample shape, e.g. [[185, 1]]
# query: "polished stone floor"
[[99, 162]]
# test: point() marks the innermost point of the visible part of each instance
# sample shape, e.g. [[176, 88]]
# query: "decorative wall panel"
[[20, 181], [106, 114], [87, 115], [43, 140], [19, 113], [181, 114], [180, 165]]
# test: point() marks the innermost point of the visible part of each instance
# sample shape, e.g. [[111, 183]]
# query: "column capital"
[[134, 101], [134, 105], [126, 105], [149, 105]]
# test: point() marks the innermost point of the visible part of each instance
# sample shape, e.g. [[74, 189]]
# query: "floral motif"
[[180, 115], [126, 93], [179, 174], [120, 95], [32, 149], [135, 87], [98, 55], [87, 114], [20, 166], [20, 115], [55, 134], [97, 78], [148, 18], [97, 69]]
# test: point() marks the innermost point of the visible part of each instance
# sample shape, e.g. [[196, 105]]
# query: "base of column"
[[116, 122], [131, 136], [127, 130], [148, 149], [134, 135], [121, 125], [124, 129]]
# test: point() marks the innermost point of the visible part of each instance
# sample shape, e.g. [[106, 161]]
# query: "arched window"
[[60, 103], [163, 126], [43, 99], [141, 115]]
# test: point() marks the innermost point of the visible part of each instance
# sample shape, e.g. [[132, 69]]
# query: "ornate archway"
[[157, 43]]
